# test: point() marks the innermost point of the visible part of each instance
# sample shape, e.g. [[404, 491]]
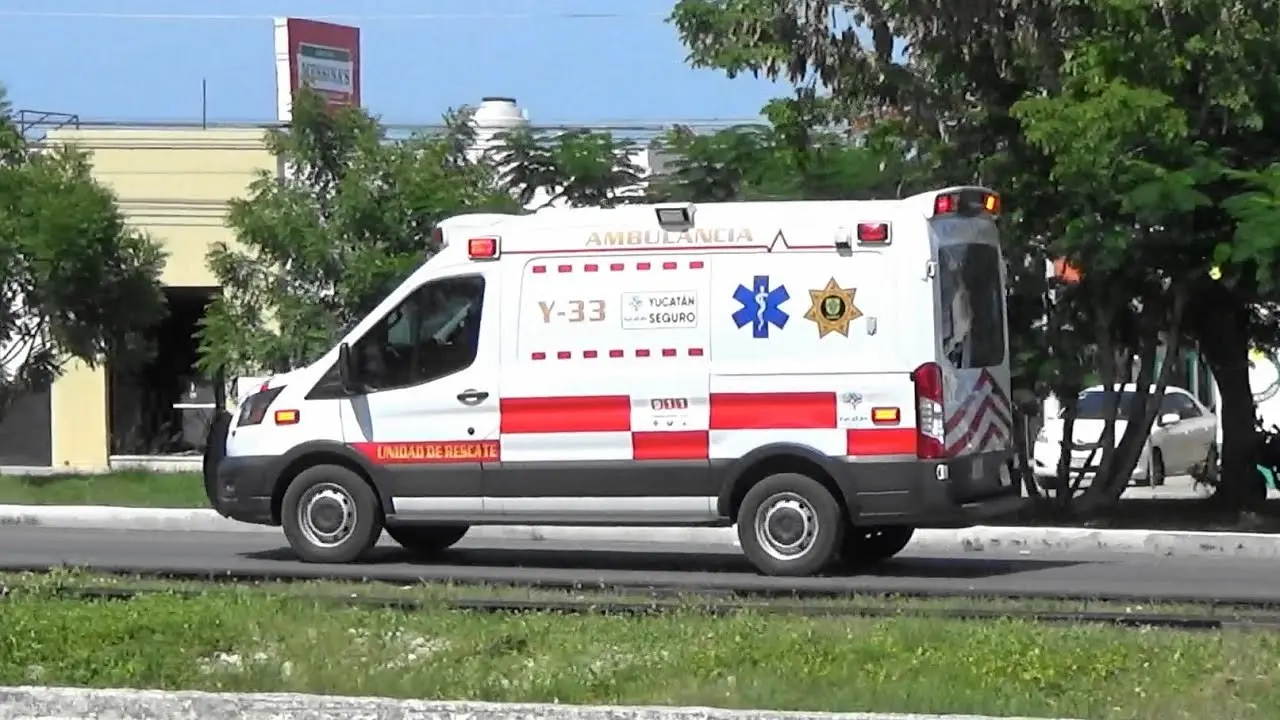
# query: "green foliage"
[[77, 281], [319, 247], [575, 167], [802, 154]]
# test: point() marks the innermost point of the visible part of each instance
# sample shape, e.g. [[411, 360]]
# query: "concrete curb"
[[1025, 540], [30, 703]]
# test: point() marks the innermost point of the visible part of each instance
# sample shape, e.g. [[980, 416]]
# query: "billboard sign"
[[323, 56]]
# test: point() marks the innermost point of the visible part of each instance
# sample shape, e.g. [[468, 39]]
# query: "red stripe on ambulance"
[[676, 445], [773, 411], [881, 441], [595, 413]]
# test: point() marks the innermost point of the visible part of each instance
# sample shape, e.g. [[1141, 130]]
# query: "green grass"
[[130, 488], [249, 640]]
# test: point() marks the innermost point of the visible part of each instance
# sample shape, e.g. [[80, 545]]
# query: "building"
[[174, 183]]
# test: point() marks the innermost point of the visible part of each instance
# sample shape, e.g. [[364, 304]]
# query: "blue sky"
[[71, 56]]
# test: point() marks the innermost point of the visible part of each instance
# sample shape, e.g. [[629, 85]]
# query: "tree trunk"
[[1224, 345], [1022, 459], [1119, 461]]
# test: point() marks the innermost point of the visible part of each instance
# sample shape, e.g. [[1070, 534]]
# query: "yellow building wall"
[[173, 184]]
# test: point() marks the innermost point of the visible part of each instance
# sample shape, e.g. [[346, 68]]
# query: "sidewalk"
[[1024, 540], [48, 702]]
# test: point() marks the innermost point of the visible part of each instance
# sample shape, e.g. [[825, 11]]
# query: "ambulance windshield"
[[972, 305]]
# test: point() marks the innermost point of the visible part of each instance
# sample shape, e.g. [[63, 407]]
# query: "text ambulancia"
[[827, 376]]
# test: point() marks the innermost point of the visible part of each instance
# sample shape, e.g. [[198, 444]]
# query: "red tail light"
[[931, 426]]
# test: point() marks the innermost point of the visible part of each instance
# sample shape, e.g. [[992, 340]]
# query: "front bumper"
[[909, 492], [1044, 462], [244, 486]]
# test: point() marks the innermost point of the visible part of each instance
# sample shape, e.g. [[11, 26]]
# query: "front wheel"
[[870, 545], [330, 515], [1155, 475], [427, 539], [790, 525]]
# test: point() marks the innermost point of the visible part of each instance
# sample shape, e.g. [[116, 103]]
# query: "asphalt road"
[[1122, 576]]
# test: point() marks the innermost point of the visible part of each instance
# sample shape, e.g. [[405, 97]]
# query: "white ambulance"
[[828, 376]]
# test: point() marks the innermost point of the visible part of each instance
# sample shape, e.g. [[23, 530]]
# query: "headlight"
[[254, 408]]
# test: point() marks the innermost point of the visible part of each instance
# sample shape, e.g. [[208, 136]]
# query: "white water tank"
[[496, 115]]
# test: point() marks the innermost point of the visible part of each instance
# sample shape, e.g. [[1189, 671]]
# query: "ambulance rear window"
[[972, 305]]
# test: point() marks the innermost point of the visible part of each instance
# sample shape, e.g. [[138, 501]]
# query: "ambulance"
[[827, 376]]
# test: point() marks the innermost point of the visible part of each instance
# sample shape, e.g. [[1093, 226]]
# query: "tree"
[[318, 248], [1168, 94], [790, 157], [801, 154], [76, 282], [577, 167], [1126, 134]]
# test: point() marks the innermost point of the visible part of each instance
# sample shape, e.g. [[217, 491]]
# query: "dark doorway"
[[164, 407], [26, 432]]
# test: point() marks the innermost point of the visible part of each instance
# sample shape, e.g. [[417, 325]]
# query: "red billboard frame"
[[326, 57]]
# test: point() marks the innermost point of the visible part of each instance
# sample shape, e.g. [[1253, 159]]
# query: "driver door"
[[429, 415]]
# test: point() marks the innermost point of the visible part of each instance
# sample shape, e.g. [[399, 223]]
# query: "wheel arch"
[[311, 454], [743, 473]]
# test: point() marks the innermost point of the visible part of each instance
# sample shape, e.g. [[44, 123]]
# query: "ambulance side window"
[[434, 332]]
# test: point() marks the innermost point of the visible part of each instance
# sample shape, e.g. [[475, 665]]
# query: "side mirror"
[[1168, 419], [346, 369]]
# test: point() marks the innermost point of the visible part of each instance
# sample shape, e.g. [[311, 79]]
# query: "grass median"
[[238, 639], [129, 488]]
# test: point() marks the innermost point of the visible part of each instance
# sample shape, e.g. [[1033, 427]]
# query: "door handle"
[[472, 397]]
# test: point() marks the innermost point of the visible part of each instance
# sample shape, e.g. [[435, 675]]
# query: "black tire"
[[1211, 467], [1155, 475], [355, 538], [427, 539], [871, 545], [827, 520]]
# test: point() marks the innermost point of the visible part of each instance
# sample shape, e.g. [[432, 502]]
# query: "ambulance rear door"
[[972, 335]]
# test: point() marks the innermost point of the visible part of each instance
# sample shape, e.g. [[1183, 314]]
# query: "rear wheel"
[[789, 524], [427, 539], [330, 515], [1210, 472], [870, 545]]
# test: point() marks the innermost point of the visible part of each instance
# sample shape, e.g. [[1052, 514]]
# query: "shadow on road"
[[390, 558]]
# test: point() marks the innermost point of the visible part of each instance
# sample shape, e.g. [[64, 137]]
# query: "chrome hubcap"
[[327, 515], [786, 526]]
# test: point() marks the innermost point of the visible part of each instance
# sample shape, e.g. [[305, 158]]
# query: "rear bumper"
[[909, 492]]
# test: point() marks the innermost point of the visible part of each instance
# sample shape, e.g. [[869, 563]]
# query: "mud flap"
[[214, 450]]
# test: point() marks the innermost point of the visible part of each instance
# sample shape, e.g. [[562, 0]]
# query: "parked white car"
[[1183, 441]]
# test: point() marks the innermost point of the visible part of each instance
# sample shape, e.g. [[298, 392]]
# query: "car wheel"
[[1211, 466], [790, 525], [1155, 474], [870, 545], [427, 539], [330, 515]]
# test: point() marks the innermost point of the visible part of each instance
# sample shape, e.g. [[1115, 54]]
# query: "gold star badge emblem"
[[832, 309]]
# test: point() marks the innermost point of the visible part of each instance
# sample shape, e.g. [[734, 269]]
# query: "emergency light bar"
[[482, 248], [966, 203]]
